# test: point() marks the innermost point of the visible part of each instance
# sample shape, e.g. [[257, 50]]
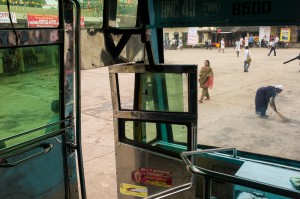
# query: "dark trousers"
[[272, 48], [208, 46], [246, 66], [261, 111]]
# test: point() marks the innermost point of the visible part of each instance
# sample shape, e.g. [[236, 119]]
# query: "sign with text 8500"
[[188, 13]]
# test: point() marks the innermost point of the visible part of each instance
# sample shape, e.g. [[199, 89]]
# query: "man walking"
[[272, 44], [237, 47], [222, 45], [247, 59], [208, 44]]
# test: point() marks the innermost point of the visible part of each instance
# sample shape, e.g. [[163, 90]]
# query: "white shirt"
[[222, 44], [241, 41], [237, 45], [246, 54], [246, 41]]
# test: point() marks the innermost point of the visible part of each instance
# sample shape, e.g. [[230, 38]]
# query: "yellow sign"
[[285, 34], [133, 190]]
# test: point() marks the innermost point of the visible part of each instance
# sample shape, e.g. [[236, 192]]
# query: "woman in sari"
[[206, 79]]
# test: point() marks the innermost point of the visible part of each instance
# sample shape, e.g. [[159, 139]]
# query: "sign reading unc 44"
[[188, 13]]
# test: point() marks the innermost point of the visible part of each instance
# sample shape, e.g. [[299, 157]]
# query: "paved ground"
[[228, 119]]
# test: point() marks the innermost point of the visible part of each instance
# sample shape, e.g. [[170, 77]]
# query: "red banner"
[[36, 20], [50, 21]]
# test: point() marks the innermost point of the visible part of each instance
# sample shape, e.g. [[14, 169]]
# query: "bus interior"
[[160, 150]]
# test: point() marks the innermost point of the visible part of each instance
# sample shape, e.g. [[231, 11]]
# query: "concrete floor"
[[228, 119]]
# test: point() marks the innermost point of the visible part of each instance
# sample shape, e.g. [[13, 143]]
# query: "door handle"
[[209, 175], [46, 148]]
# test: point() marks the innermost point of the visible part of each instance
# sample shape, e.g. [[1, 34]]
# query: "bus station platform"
[[227, 120]]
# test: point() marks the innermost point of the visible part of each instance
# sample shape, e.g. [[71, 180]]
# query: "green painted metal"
[[195, 13]]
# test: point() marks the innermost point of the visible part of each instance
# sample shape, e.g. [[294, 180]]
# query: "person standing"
[[251, 41], [246, 41], [241, 41], [262, 99], [208, 44], [206, 79], [276, 41], [179, 44], [272, 45], [247, 59], [222, 45], [237, 47]]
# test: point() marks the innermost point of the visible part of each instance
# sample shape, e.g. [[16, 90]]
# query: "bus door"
[[155, 119], [38, 146], [226, 172]]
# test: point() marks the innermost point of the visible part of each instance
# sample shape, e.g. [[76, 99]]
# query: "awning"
[[232, 29]]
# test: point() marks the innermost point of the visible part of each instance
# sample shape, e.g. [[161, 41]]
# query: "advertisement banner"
[[4, 17], [153, 177], [49, 21], [264, 31], [192, 36], [285, 34], [133, 190], [36, 20]]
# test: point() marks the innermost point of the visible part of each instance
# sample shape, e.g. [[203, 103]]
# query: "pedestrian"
[[246, 41], [276, 41], [251, 41], [241, 41], [272, 45], [173, 45], [222, 45], [179, 44], [237, 47], [206, 80], [208, 44], [263, 97], [247, 59]]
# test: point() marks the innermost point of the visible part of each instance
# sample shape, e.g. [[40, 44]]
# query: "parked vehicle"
[[282, 44]]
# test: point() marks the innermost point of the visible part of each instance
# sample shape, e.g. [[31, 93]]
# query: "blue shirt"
[[251, 39]]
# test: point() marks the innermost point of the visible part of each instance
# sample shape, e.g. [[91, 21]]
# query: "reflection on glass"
[[126, 13], [157, 92], [148, 133], [92, 13], [30, 14], [29, 90]]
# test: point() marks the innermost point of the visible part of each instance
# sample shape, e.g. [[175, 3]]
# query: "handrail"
[[46, 148], [39, 128], [172, 191], [233, 179], [78, 100]]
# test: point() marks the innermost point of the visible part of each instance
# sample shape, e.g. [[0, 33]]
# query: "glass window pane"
[[151, 134], [172, 94], [229, 118], [29, 90], [92, 13], [29, 14], [126, 13]]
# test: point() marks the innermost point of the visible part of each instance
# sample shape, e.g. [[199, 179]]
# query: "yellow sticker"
[[133, 190]]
